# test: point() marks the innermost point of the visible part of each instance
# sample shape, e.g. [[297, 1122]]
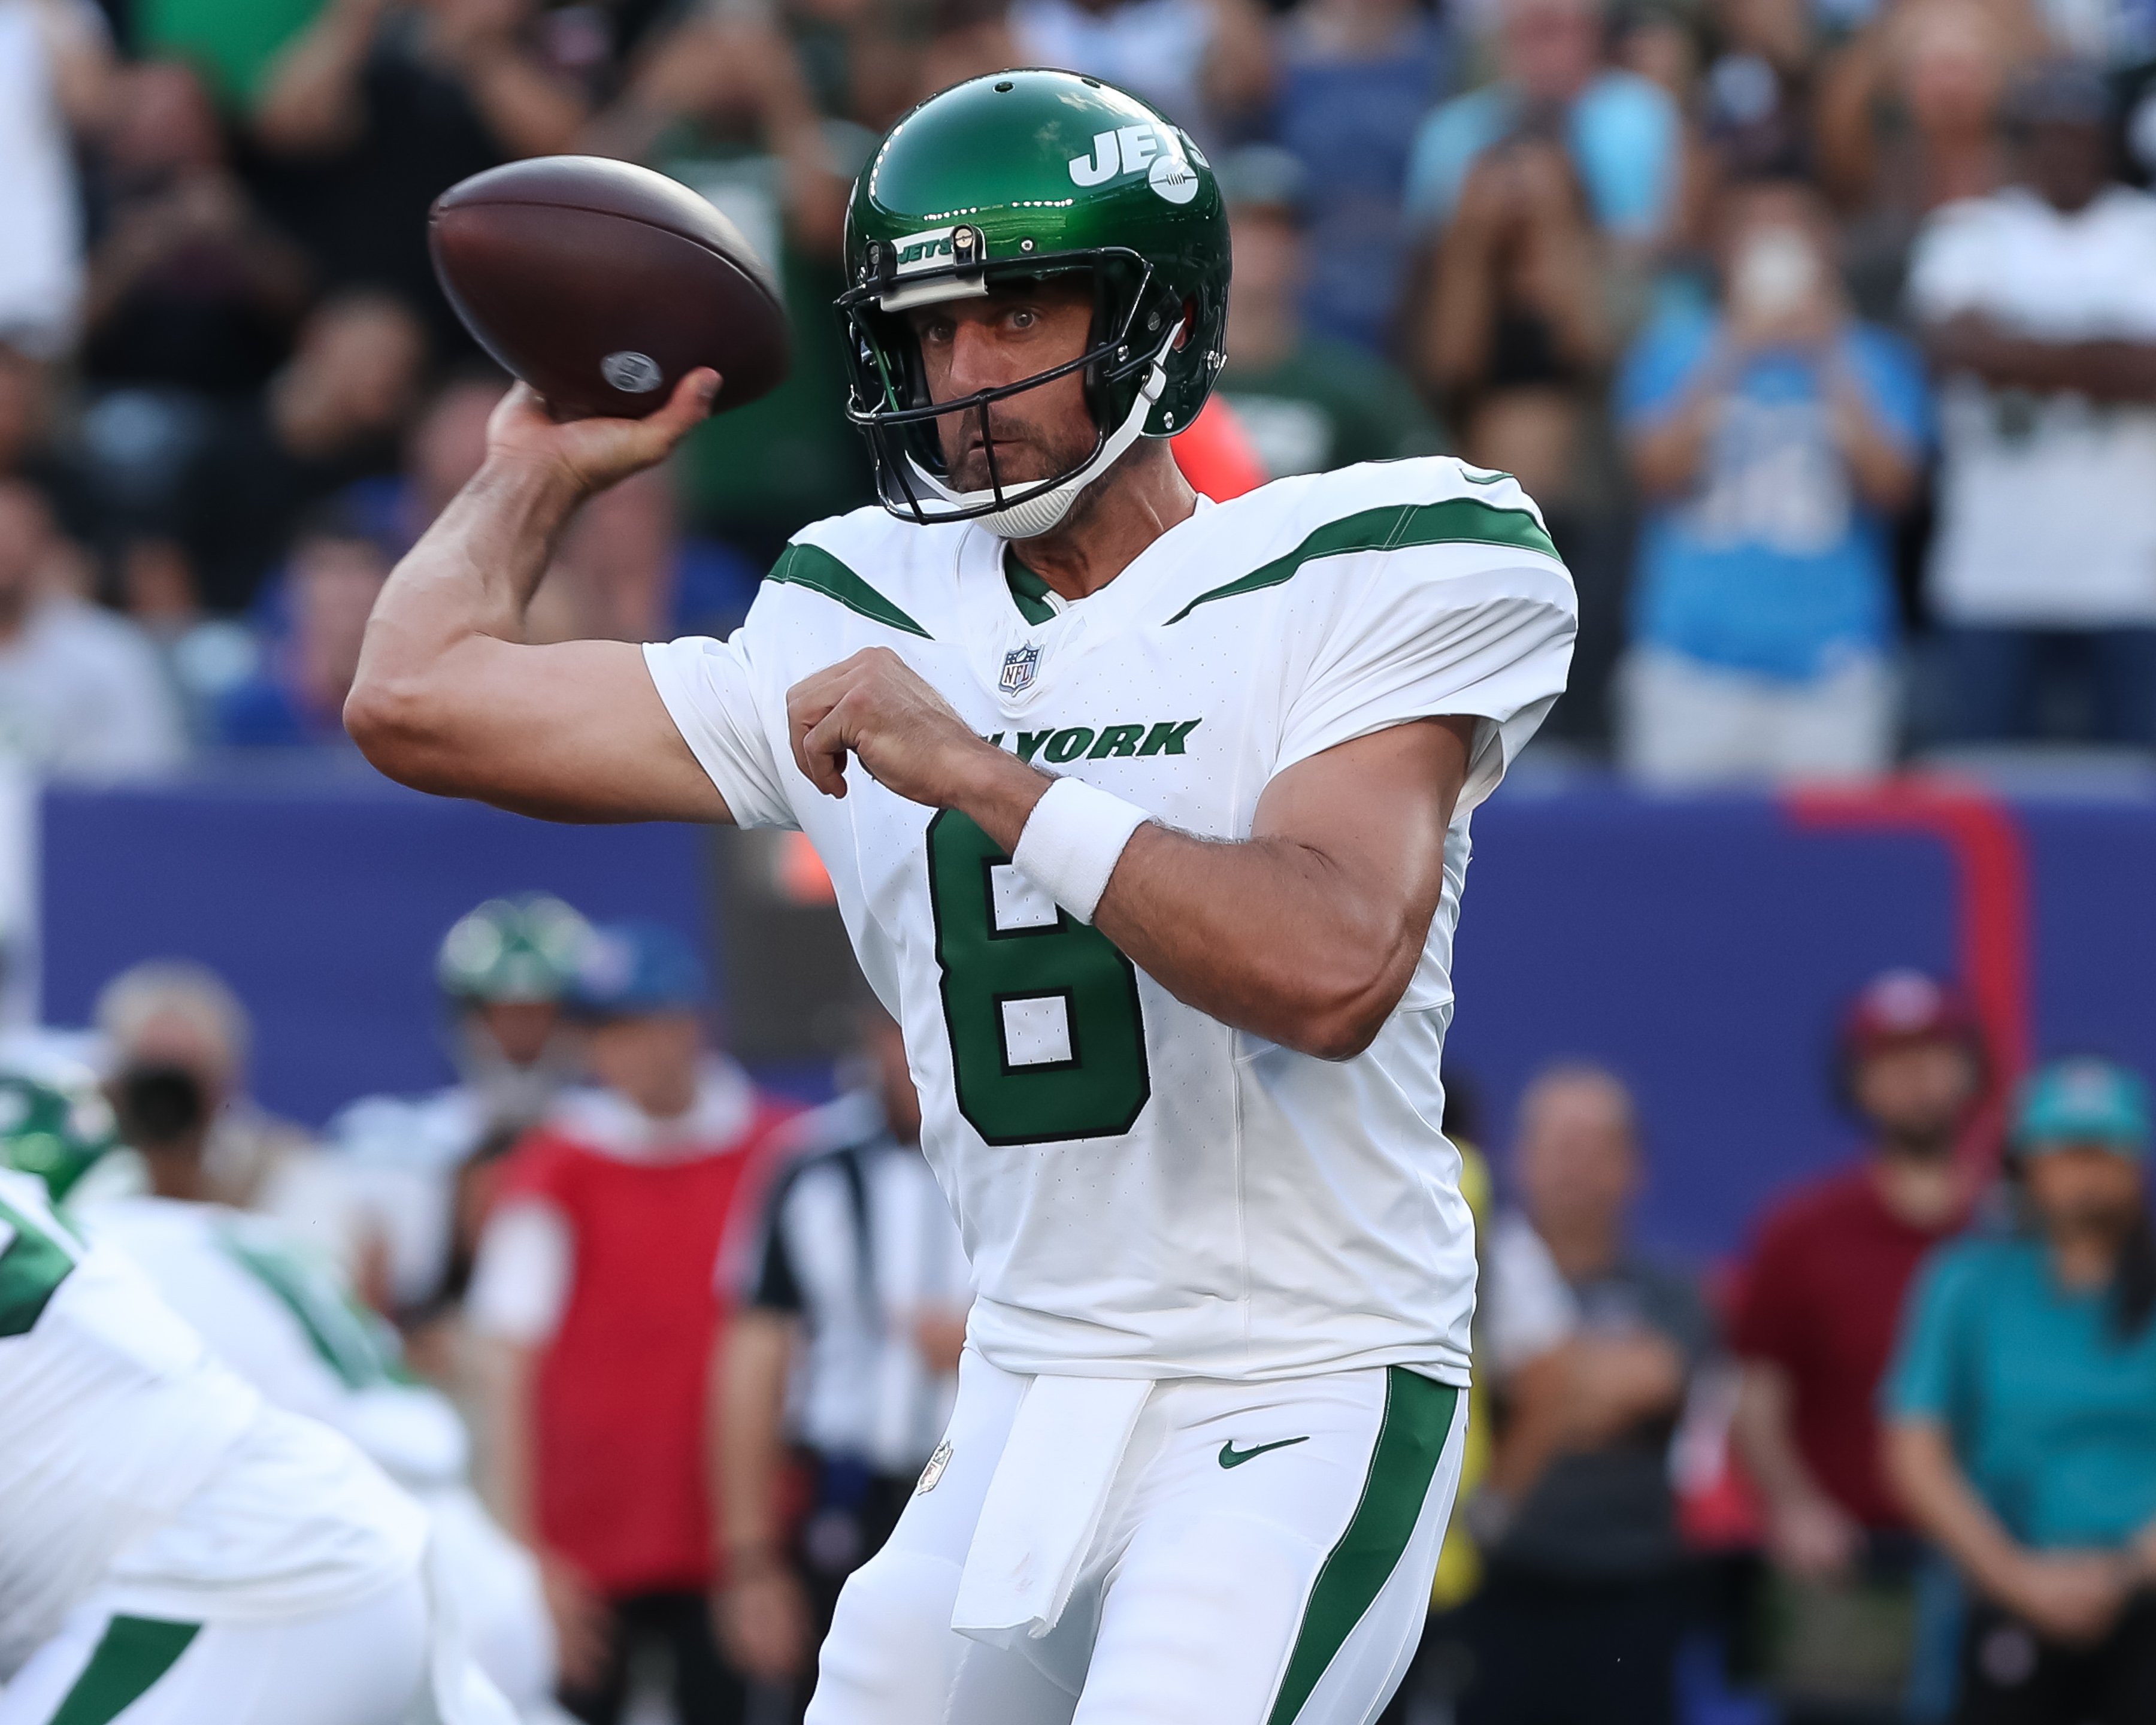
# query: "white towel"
[[1045, 1504]]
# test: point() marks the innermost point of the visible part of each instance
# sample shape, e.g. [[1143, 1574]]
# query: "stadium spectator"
[[424, 1165], [1774, 438], [1814, 1325], [1907, 122], [54, 75], [1756, 99], [331, 415], [852, 1314], [2022, 1411], [1513, 340], [1208, 64], [1579, 1620], [736, 74], [1308, 401], [1623, 133], [188, 287], [1356, 78], [593, 1298], [379, 106], [2039, 305], [177, 1041], [81, 694], [1514, 335], [442, 450], [328, 590]]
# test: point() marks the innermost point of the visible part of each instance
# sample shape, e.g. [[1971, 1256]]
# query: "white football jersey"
[[281, 1316], [1143, 1190], [91, 1364], [132, 1460]]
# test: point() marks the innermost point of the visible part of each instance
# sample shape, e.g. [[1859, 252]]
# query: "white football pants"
[[1265, 1557], [364, 1665]]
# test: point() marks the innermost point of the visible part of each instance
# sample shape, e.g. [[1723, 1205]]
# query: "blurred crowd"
[[695, 1346], [1824, 330]]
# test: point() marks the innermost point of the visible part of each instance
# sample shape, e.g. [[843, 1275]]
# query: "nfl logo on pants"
[[1020, 665]]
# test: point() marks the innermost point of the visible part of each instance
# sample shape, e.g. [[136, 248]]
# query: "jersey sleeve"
[[520, 1285], [1920, 1382], [709, 688], [1457, 626], [1529, 1311], [772, 1284]]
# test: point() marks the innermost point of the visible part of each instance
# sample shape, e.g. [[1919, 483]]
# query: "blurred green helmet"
[[56, 1131], [1018, 177], [512, 950]]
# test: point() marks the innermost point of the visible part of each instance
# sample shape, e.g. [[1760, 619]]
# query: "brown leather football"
[[600, 284]]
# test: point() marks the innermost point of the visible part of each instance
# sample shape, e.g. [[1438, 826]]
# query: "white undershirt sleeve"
[[520, 1284]]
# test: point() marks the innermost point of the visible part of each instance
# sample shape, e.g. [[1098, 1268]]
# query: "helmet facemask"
[[1136, 321]]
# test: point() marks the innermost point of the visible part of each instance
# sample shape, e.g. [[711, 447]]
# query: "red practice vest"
[[621, 1392]]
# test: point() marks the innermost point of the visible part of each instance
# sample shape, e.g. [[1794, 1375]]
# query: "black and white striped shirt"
[[859, 1244]]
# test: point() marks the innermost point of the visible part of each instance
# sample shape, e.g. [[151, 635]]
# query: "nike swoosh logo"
[[1230, 1457], [1485, 479]]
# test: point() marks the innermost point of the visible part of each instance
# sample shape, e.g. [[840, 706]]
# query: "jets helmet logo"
[[1156, 152], [1020, 665]]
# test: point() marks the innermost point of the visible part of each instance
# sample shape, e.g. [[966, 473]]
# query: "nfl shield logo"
[[1020, 665]]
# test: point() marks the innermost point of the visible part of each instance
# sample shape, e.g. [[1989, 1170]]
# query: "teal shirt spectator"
[[2051, 1415], [1623, 133], [1771, 565]]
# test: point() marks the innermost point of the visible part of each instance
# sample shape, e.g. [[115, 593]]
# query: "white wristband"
[[1071, 842]]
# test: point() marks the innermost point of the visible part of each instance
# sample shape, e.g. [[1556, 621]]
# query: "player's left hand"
[[875, 707]]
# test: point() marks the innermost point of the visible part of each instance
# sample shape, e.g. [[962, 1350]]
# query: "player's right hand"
[[591, 454]]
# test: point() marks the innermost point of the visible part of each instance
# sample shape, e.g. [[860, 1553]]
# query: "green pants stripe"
[[131, 1654], [1411, 1438]]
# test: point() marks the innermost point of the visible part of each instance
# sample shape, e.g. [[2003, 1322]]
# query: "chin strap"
[[1037, 516]]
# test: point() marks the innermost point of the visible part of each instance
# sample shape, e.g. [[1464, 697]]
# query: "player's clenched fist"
[[876, 706]]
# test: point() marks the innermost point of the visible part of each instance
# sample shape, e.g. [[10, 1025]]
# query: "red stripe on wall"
[[1984, 842]]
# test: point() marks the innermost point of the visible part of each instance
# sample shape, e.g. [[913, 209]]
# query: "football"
[[600, 284]]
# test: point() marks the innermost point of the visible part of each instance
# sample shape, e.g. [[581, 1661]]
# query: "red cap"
[[1901, 1006]]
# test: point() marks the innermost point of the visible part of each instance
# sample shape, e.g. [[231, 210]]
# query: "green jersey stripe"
[[1457, 520], [342, 1334], [1411, 1438], [32, 1264], [1028, 591], [812, 566], [131, 1654]]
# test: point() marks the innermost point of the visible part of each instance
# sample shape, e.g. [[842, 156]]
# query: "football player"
[[1149, 820], [172, 1550], [281, 1317], [504, 968]]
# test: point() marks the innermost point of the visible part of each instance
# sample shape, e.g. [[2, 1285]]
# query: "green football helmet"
[[1016, 177], [522, 949], [56, 1131]]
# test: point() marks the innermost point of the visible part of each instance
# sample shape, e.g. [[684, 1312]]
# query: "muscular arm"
[[449, 698], [1306, 932]]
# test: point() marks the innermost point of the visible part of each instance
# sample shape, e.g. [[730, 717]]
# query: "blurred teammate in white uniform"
[[172, 1550], [281, 1317]]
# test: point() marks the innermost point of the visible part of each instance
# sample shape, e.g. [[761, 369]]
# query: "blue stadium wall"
[[1701, 948]]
